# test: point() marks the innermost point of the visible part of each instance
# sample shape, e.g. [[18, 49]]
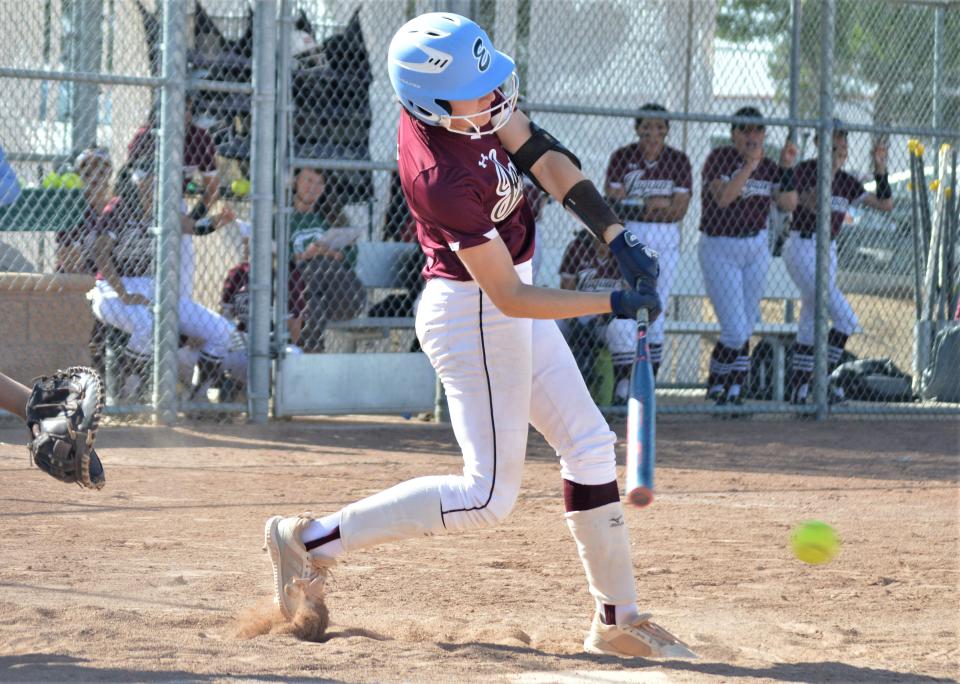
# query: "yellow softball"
[[814, 542]]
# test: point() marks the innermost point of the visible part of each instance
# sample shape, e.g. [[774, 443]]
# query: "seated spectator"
[[589, 266], [332, 290], [74, 244], [199, 156], [235, 306], [199, 160], [124, 251]]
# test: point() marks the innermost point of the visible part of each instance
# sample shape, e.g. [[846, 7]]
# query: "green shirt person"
[[308, 224]]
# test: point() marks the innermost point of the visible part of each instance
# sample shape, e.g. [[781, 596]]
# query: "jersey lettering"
[[509, 187]]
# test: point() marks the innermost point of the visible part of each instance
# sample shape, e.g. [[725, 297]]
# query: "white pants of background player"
[[800, 258], [195, 320], [734, 274], [234, 363], [502, 375], [620, 334]]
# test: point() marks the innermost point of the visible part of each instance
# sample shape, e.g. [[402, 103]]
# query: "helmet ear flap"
[[446, 106]]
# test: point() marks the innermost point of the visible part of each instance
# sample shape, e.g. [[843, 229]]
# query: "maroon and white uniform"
[[199, 151], [800, 252], [461, 192], [132, 255], [642, 179], [235, 306], [734, 252], [501, 374], [81, 236]]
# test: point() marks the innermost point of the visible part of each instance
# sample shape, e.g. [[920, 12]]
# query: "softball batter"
[[738, 185], [800, 257], [490, 334], [653, 182]]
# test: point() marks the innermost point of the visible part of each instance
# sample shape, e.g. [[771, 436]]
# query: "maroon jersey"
[[594, 268], [132, 235], [199, 152], [235, 298], [747, 215], [81, 235], [847, 191], [462, 192], [668, 174]]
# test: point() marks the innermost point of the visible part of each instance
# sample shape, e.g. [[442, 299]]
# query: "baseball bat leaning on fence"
[[932, 283], [918, 253], [641, 422]]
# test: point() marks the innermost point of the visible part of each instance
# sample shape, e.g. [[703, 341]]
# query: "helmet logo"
[[482, 54]]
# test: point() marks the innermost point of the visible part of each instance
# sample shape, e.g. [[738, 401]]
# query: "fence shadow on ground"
[[826, 671], [52, 667]]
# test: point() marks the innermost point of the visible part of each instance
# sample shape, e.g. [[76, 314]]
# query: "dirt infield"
[[152, 578]]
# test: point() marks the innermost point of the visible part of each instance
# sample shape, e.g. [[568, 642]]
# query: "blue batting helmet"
[[440, 56]]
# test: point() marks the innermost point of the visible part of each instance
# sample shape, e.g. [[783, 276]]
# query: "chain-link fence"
[[707, 124], [118, 246]]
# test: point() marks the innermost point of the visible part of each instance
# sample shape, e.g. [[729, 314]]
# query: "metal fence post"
[[939, 19], [824, 191], [794, 64], [86, 51], [170, 160], [261, 163]]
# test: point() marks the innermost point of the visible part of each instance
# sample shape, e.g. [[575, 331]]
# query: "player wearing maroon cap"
[[652, 181], [739, 183], [490, 334], [800, 257]]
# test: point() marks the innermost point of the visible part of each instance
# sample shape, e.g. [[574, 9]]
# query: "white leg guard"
[[604, 546], [409, 509]]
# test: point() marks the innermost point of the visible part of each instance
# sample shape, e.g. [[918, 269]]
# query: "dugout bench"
[[379, 266], [779, 287]]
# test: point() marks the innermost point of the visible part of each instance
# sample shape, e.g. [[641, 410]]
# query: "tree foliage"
[[883, 54]]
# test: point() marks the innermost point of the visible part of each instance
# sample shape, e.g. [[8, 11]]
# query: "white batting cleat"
[[640, 638], [298, 578]]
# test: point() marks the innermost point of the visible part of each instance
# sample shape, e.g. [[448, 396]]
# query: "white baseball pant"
[[800, 258], [195, 320], [734, 274]]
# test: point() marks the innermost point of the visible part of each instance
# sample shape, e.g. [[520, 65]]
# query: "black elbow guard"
[[584, 202], [539, 143]]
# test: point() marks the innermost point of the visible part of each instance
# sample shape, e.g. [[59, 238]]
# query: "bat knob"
[[641, 497]]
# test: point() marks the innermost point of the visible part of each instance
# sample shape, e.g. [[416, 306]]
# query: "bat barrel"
[[640, 497]]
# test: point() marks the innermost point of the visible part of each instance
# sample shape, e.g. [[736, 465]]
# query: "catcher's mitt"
[[63, 413]]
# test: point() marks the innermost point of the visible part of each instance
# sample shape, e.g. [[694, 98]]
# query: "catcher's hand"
[[63, 413]]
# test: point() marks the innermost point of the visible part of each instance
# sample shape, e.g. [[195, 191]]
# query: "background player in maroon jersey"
[[123, 250], [800, 257], [652, 182], [490, 334], [739, 183]]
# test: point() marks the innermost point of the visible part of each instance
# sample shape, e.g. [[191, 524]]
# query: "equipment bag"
[[941, 379], [873, 380]]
